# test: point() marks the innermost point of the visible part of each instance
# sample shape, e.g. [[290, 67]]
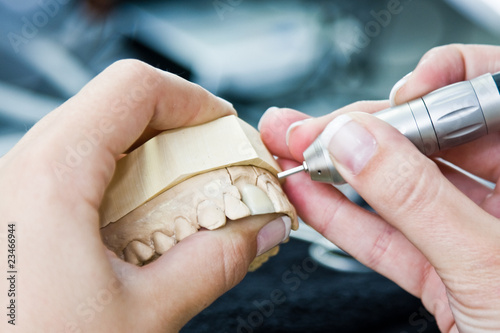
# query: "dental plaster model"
[[186, 179]]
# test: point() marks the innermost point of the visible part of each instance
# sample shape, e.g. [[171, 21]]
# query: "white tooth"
[[183, 228], [138, 252], [256, 199], [234, 208], [210, 216], [163, 243]]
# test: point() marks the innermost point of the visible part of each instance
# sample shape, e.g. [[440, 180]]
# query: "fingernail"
[[292, 127], [349, 143], [396, 88], [273, 233], [271, 109]]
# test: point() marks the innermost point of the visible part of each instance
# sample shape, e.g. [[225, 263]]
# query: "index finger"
[[448, 64], [289, 143]]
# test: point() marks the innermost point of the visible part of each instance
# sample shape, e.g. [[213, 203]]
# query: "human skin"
[[52, 183], [436, 232]]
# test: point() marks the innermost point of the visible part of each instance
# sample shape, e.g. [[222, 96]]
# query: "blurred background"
[[314, 56]]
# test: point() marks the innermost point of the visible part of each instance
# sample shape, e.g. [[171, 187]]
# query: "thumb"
[[408, 190], [198, 270]]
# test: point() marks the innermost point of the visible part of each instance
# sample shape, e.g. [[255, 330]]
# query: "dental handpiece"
[[444, 118]]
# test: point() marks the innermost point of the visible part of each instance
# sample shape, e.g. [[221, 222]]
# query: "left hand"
[[52, 183]]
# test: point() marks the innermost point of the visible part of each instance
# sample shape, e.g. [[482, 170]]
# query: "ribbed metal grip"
[[456, 115]]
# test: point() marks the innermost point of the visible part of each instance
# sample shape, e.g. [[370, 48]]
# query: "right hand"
[[428, 237]]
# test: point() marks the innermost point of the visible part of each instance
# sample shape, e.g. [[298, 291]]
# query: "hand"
[[437, 232], [52, 184]]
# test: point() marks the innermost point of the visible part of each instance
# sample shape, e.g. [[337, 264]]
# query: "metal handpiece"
[[445, 118]]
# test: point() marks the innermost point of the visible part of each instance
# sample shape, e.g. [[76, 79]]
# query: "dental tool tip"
[[292, 171]]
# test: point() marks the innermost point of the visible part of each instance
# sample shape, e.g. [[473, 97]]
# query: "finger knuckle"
[[235, 260], [413, 186], [332, 215], [380, 247]]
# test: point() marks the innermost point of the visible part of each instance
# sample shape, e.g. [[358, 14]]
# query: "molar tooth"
[[183, 228], [137, 252], [162, 242], [257, 200], [210, 216], [234, 208]]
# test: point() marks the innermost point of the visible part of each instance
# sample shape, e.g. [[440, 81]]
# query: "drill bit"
[[292, 171]]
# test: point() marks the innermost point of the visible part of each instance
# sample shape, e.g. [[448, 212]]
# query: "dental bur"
[[444, 118]]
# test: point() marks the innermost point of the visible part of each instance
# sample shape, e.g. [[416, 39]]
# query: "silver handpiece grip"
[[448, 117], [445, 118]]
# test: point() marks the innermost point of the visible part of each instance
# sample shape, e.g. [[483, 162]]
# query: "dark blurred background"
[[314, 56]]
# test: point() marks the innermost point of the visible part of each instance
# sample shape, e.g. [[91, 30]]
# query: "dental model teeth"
[[205, 201]]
